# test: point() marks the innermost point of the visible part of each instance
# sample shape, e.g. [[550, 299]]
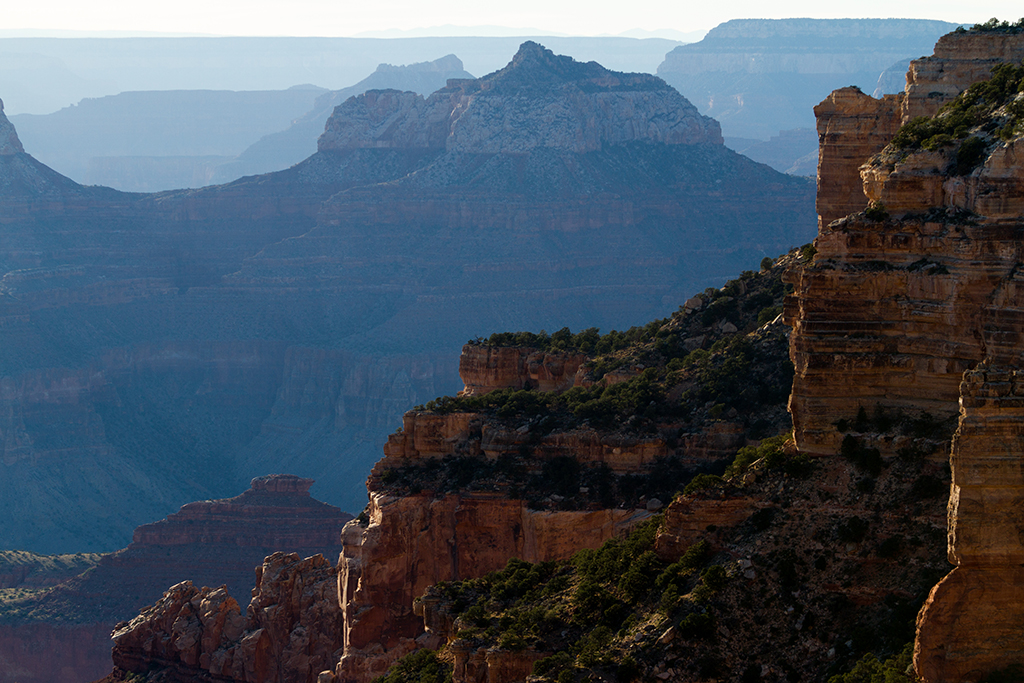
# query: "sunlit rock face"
[[916, 282], [916, 307]]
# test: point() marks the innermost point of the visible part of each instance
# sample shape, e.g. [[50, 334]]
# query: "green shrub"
[[421, 666], [876, 212], [702, 482], [895, 669], [697, 625], [552, 665]]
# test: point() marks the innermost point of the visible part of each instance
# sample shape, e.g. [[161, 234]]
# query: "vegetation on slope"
[[821, 581], [724, 365], [987, 110]]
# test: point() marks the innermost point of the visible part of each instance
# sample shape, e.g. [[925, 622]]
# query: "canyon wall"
[[307, 302], [970, 625], [916, 281], [930, 313], [412, 542]]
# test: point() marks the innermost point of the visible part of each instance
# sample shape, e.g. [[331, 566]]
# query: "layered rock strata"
[[413, 542], [931, 311], [207, 543], [915, 286], [970, 625], [486, 368], [853, 126]]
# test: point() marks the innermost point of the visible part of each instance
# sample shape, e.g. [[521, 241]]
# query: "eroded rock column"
[[973, 621]]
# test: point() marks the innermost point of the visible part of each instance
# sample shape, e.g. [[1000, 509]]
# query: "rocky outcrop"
[[9, 142], [969, 626], [959, 59], [931, 313], [539, 100], [852, 127], [917, 285], [206, 543], [486, 368], [415, 541], [288, 634]]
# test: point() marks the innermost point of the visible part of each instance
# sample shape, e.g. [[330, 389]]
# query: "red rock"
[[209, 542]]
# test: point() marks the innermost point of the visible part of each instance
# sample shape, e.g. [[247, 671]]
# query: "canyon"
[[761, 77], [287, 321], [831, 541]]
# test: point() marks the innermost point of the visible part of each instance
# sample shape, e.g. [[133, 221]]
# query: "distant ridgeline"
[[761, 77], [166, 348]]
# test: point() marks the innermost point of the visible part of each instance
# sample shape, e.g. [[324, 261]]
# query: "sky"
[[348, 18]]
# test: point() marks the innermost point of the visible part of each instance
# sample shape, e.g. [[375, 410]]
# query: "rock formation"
[[538, 100], [916, 285], [931, 311], [969, 627], [206, 543], [486, 368], [289, 633]]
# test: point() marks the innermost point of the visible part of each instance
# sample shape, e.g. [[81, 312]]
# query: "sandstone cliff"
[[208, 543], [853, 127], [930, 314], [919, 273], [486, 368], [968, 627]]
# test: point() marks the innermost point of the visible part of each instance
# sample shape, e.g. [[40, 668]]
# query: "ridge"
[[9, 142]]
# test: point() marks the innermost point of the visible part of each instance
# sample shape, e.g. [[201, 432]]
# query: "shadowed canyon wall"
[[315, 305]]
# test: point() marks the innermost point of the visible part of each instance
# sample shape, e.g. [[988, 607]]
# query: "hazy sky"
[[347, 17]]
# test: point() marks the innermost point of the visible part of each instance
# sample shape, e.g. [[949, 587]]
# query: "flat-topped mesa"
[[969, 626], [286, 514], [485, 368], [539, 100], [852, 126], [9, 142]]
